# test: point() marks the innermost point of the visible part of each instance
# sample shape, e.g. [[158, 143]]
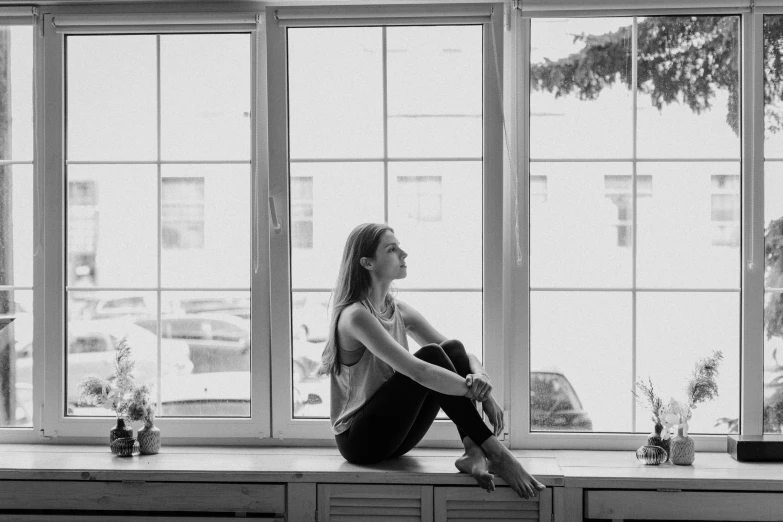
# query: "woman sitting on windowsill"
[[384, 399]]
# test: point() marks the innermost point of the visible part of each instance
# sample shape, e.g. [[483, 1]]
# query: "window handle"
[[276, 225]]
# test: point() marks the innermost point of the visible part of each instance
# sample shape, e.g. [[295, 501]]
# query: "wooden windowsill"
[[578, 469]]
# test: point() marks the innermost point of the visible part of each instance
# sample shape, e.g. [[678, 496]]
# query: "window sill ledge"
[[569, 468]]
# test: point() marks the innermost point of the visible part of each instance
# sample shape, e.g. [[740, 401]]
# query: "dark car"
[[554, 405]]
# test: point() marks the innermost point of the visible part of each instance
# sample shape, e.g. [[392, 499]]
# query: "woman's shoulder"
[[351, 312]]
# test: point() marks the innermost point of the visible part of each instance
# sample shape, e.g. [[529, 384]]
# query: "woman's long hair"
[[353, 285]]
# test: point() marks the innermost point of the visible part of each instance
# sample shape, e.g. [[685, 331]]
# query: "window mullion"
[[752, 359], [634, 198]]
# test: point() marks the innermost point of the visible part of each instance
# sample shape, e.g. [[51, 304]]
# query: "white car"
[[91, 349]]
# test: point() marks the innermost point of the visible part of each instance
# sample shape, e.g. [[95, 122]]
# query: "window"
[[772, 405], [183, 213], [537, 189], [158, 166], [619, 190], [302, 212], [725, 212], [164, 144], [396, 133], [420, 198], [17, 241], [612, 304]]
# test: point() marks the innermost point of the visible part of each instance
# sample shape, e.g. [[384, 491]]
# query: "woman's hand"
[[494, 413], [479, 386]]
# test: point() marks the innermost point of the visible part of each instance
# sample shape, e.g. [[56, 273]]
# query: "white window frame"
[[506, 285], [55, 424], [442, 433], [752, 139], [26, 16]]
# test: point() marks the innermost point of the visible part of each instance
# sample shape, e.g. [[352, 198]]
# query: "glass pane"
[[97, 322], [16, 358], [16, 225], [773, 361], [688, 103], [580, 100], [689, 229], [310, 330], [111, 97], [344, 195], [212, 330], [199, 205], [111, 225], [436, 208], [16, 95], [335, 92], [586, 214], [674, 332], [457, 315], [577, 370], [773, 196], [773, 87], [205, 96], [434, 85]]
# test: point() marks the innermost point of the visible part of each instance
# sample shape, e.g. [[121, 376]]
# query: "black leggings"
[[396, 418]]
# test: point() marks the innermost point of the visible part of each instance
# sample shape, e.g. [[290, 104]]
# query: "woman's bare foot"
[[504, 464], [475, 464]]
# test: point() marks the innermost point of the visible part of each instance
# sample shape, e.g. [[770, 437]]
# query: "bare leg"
[[475, 464], [504, 464]]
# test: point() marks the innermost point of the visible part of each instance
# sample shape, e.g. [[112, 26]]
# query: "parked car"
[[91, 348], [219, 394], [217, 342], [554, 405]]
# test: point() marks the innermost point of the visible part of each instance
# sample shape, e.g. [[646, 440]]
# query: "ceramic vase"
[[651, 455], [656, 439], [683, 452], [149, 440], [120, 431]]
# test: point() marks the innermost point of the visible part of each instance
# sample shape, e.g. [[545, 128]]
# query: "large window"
[[773, 221], [158, 217], [17, 238], [394, 134], [635, 253], [213, 163]]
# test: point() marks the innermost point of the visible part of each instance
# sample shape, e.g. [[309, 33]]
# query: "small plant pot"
[[120, 431], [656, 439], [149, 440], [125, 447], [683, 450]]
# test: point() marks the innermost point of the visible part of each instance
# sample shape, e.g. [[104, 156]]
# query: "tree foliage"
[[680, 59]]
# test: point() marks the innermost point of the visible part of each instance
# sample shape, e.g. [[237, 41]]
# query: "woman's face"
[[389, 260]]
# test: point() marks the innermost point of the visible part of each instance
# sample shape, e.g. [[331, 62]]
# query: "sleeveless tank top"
[[356, 384]]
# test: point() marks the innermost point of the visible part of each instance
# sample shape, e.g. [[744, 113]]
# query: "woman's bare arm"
[[361, 325]]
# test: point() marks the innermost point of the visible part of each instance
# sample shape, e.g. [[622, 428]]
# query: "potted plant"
[[101, 392], [140, 408]]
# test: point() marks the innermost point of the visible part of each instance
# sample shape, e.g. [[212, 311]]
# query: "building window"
[[538, 189], [420, 198], [302, 212], [83, 231], [725, 210], [182, 213], [619, 190]]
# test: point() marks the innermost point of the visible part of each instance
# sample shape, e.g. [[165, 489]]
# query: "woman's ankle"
[[492, 448]]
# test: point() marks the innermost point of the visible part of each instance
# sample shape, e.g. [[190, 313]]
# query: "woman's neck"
[[377, 296]]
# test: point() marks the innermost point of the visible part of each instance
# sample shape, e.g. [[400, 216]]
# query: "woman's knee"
[[433, 354], [453, 348]]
